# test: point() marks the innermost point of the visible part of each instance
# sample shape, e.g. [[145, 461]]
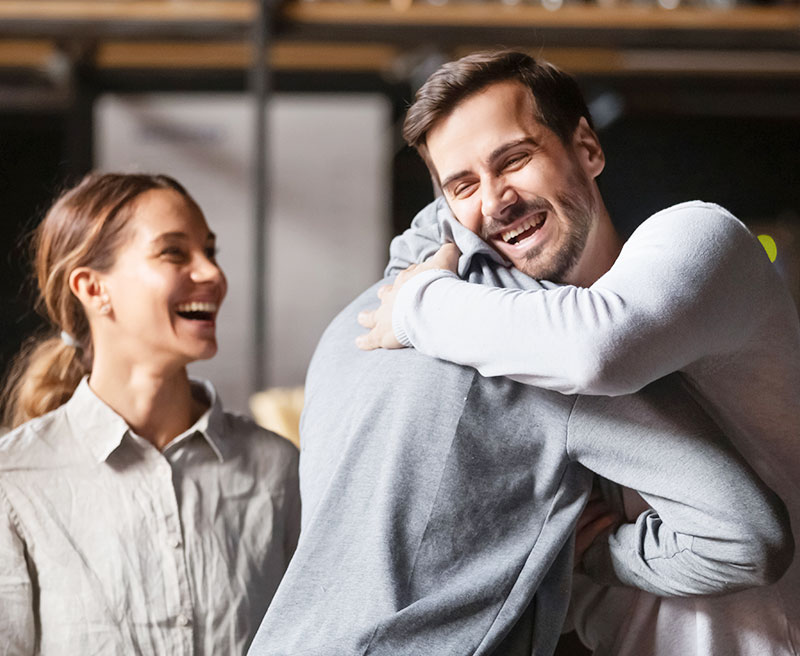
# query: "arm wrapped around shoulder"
[[714, 527]]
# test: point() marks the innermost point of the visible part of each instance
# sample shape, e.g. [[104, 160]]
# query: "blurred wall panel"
[[329, 208]]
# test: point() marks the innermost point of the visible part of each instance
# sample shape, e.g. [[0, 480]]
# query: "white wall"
[[328, 217]]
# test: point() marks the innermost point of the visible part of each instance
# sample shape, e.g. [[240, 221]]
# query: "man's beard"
[[578, 209]]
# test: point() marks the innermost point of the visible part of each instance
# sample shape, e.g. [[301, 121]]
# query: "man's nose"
[[496, 197]]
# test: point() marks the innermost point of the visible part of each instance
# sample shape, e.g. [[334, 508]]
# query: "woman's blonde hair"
[[84, 228]]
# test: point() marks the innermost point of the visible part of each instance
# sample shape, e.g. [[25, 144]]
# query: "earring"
[[105, 306]]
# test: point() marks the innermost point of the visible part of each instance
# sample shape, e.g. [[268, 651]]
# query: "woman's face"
[[165, 287]]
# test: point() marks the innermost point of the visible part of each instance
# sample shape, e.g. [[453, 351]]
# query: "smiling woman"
[[124, 485]]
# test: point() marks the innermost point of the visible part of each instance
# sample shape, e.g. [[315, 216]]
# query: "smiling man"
[[521, 188], [511, 144]]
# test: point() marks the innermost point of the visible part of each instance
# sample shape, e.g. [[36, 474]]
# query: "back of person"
[[420, 512]]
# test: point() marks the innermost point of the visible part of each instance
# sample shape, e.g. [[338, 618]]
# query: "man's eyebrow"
[[501, 150], [494, 155], [452, 178]]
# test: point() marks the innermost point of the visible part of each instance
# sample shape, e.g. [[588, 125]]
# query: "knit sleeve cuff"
[[408, 301]]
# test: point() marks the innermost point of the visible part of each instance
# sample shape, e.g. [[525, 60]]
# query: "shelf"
[[142, 19], [369, 35], [489, 24]]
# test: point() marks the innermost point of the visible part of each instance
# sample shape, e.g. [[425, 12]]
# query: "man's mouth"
[[197, 310], [524, 230]]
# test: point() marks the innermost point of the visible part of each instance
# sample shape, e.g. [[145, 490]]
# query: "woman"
[[137, 517]]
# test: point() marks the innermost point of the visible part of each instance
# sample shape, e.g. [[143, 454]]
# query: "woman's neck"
[[156, 402]]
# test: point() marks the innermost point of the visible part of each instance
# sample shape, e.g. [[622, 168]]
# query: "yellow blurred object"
[[278, 409]]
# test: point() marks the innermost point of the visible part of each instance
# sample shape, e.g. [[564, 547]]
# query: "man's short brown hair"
[[558, 100]]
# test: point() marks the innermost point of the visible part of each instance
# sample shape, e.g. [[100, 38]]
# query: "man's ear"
[[588, 150], [88, 288]]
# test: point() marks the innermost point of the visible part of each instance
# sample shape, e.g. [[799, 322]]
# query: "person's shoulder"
[[694, 216], [244, 434], [695, 228], [34, 445]]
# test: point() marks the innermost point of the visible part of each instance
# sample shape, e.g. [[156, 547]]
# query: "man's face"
[[513, 182]]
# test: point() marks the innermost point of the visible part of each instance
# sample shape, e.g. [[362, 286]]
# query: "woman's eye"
[[173, 252]]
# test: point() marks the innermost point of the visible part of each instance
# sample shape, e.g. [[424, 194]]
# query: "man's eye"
[[515, 160], [212, 252], [462, 189]]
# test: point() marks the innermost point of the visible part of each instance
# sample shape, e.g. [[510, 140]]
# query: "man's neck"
[[603, 246]]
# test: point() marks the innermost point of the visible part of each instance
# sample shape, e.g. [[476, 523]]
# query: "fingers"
[[378, 338], [412, 270], [366, 342], [366, 318], [591, 532], [383, 290], [447, 257], [595, 508]]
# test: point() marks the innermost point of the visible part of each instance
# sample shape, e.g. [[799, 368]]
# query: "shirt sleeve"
[[17, 627], [674, 295], [714, 527]]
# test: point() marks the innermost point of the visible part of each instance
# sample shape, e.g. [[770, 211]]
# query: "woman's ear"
[[88, 288], [587, 147]]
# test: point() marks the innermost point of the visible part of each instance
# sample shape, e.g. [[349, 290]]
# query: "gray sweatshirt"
[[439, 505], [691, 291]]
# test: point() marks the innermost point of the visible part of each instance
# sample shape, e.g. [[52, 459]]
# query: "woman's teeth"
[[533, 222], [197, 310], [197, 306]]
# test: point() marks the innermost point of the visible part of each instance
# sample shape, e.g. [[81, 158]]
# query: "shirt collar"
[[96, 424], [210, 424], [102, 429]]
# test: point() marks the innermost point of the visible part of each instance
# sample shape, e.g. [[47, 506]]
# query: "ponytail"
[[43, 376]]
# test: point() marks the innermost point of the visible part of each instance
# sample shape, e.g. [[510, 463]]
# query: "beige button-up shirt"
[[108, 546]]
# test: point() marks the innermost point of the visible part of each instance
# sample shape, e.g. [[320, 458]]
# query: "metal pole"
[[259, 86]]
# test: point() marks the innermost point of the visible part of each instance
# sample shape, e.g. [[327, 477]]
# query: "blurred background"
[[692, 99]]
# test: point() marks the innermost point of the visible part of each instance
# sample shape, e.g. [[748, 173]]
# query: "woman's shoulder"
[[34, 445]]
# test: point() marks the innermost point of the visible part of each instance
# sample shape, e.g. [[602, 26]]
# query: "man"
[[511, 144], [439, 505]]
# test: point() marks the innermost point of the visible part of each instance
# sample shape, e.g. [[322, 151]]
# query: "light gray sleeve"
[[714, 526], [17, 626], [676, 293]]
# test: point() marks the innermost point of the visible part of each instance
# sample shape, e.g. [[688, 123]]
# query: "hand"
[[379, 321], [595, 521]]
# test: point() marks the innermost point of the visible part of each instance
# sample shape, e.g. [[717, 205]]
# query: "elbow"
[[767, 552], [603, 372], [777, 547]]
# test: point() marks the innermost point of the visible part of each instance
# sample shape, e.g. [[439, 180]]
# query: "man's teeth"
[[527, 225], [197, 306]]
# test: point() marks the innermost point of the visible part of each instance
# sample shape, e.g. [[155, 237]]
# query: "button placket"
[[174, 538]]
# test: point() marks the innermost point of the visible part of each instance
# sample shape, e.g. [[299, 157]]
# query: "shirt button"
[[182, 620], [175, 543]]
